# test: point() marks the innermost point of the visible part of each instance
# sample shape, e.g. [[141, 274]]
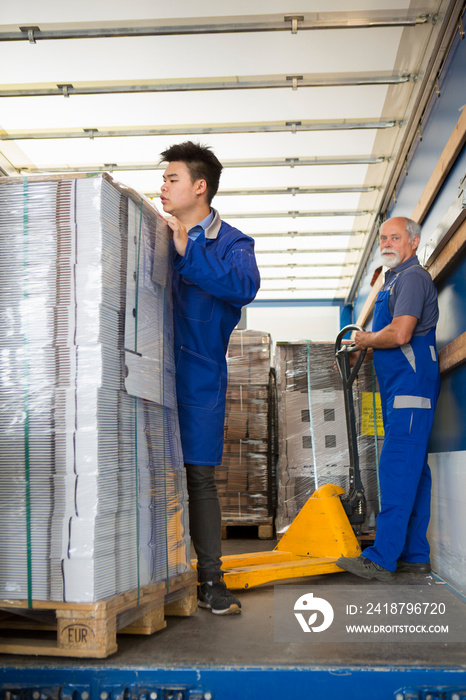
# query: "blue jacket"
[[216, 277]]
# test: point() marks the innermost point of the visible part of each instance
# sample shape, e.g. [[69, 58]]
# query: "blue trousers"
[[405, 487]]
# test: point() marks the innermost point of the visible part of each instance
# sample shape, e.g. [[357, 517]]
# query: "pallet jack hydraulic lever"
[[354, 501]]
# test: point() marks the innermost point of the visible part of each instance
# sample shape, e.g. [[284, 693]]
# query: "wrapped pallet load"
[[312, 433], [93, 495], [244, 479]]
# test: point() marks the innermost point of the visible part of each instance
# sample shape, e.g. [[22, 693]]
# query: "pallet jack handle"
[[347, 374], [354, 502]]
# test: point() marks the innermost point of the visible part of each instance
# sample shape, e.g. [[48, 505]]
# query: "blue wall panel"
[[452, 306], [443, 114], [448, 433]]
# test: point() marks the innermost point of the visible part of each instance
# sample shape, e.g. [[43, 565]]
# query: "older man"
[[406, 363]]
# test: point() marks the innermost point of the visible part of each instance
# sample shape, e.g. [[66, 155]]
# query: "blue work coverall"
[[216, 277], [409, 383]]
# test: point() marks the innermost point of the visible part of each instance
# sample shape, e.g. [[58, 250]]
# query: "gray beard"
[[391, 262]]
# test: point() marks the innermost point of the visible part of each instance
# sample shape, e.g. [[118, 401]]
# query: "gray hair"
[[413, 229]]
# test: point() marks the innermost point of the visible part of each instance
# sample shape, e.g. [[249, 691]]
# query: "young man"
[[406, 364], [215, 275]]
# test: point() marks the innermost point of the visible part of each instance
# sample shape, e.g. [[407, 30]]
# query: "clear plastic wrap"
[[312, 434], [91, 469], [243, 480]]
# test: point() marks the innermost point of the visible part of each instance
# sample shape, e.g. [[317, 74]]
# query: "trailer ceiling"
[[313, 109]]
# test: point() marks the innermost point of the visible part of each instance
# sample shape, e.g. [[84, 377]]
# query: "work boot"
[[365, 568], [216, 596], [413, 567]]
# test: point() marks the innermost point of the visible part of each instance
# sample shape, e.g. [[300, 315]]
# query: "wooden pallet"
[[89, 630], [265, 529], [366, 539]]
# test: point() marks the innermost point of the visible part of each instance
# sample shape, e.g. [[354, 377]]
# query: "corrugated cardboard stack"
[[92, 483], [312, 435], [243, 481]]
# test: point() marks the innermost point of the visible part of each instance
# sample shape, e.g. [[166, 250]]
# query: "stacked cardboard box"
[[243, 481], [312, 433], [92, 488]]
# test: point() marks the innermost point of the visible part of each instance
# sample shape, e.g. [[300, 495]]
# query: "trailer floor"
[[248, 639], [190, 647]]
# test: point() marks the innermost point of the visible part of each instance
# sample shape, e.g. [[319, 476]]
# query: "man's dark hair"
[[201, 162]]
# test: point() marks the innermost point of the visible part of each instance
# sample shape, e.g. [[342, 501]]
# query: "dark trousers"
[[205, 521]]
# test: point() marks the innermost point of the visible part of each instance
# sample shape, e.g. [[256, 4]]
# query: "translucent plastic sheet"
[[243, 481], [92, 490], [312, 434]]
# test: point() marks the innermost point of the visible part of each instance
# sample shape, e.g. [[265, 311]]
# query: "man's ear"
[[201, 187], [416, 240]]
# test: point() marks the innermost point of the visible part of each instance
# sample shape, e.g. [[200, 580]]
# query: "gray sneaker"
[[216, 596], [365, 568]]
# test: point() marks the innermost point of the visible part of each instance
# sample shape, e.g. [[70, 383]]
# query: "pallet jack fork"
[[325, 527], [319, 534]]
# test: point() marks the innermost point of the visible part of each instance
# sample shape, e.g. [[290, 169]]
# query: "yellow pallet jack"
[[327, 525]]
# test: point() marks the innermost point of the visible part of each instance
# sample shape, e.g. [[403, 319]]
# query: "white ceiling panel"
[[314, 271], [253, 178], [54, 11], [288, 223], [152, 84], [226, 146], [204, 107], [291, 255], [285, 203], [217, 55], [303, 243], [305, 176]]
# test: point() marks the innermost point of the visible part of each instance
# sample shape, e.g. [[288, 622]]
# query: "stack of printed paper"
[[92, 490]]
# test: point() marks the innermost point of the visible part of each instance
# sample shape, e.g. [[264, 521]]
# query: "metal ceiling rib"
[[294, 214], [288, 105], [291, 251], [292, 265], [207, 83], [307, 234], [286, 276], [208, 25], [292, 127], [264, 163], [249, 192]]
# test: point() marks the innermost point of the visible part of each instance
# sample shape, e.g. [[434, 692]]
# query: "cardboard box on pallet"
[[312, 433], [246, 507], [242, 448], [257, 395], [244, 472], [243, 480], [252, 462], [251, 345], [245, 424], [249, 354]]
